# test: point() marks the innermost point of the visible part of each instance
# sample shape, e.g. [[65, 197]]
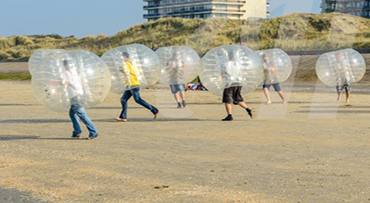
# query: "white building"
[[232, 9]]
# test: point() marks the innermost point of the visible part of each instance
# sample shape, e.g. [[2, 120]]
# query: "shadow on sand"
[[107, 120], [16, 105], [4, 137], [17, 137], [154, 120], [114, 107], [335, 107], [35, 121], [333, 112]]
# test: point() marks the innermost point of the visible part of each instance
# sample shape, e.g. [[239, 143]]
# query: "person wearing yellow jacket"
[[132, 89]]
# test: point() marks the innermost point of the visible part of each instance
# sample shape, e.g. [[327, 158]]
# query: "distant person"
[[192, 87], [72, 81], [342, 72], [176, 70], [231, 76], [132, 89], [200, 85], [270, 76]]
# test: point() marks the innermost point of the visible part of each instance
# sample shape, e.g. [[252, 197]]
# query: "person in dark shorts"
[[176, 69], [342, 74], [270, 79], [231, 77]]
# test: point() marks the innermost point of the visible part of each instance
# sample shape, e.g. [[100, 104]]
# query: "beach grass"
[[15, 76], [293, 32]]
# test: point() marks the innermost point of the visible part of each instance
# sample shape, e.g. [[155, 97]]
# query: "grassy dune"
[[297, 31]]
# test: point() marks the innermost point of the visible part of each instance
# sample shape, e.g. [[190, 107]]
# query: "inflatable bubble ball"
[[132, 66], [179, 65], [37, 57], [277, 65], [231, 65], [73, 77], [341, 67]]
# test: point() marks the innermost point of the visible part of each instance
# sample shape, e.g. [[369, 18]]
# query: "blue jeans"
[[135, 92], [76, 113]]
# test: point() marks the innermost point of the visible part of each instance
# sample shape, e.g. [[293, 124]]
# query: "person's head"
[[231, 55], [67, 65], [126, 56], [339, 57], [266, 58], [177, 55]]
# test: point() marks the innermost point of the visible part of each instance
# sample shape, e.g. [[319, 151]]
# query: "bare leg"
[[229, 108], [182, 95], [281, 94], [267, 94], [243, 105], [177, 98], [338, 98], [347, 97]]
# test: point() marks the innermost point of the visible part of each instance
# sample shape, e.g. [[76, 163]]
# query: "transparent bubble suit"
[[341, 67], [36, 58], [90, 73], [277, 65], [145, 63], [231, 65], [180, 65]]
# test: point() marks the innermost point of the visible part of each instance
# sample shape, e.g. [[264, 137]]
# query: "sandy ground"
[[16, 196], [310, 150]]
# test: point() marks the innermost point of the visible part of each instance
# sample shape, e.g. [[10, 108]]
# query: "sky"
[[94, 17]]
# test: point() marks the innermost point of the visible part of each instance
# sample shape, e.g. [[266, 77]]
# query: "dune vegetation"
[[297, 31]]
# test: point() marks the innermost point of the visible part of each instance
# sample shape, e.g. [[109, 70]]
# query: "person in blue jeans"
[[135, 92], [132, 89], [76, 113], [73, 84]]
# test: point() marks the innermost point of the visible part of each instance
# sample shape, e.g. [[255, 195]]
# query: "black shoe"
[[228, 118], [249, 112], [179, 105], [183, 104]]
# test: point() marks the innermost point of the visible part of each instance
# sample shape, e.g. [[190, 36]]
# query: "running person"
[[231, 76], [132, 89]]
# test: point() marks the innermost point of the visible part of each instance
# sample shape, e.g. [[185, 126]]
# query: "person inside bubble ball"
[[72, 81], [341, 71], [176, 70], [231, 77], [270, 77], [132, 89]]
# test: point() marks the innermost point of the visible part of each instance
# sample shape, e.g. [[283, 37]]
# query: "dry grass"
[[296, 31]]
